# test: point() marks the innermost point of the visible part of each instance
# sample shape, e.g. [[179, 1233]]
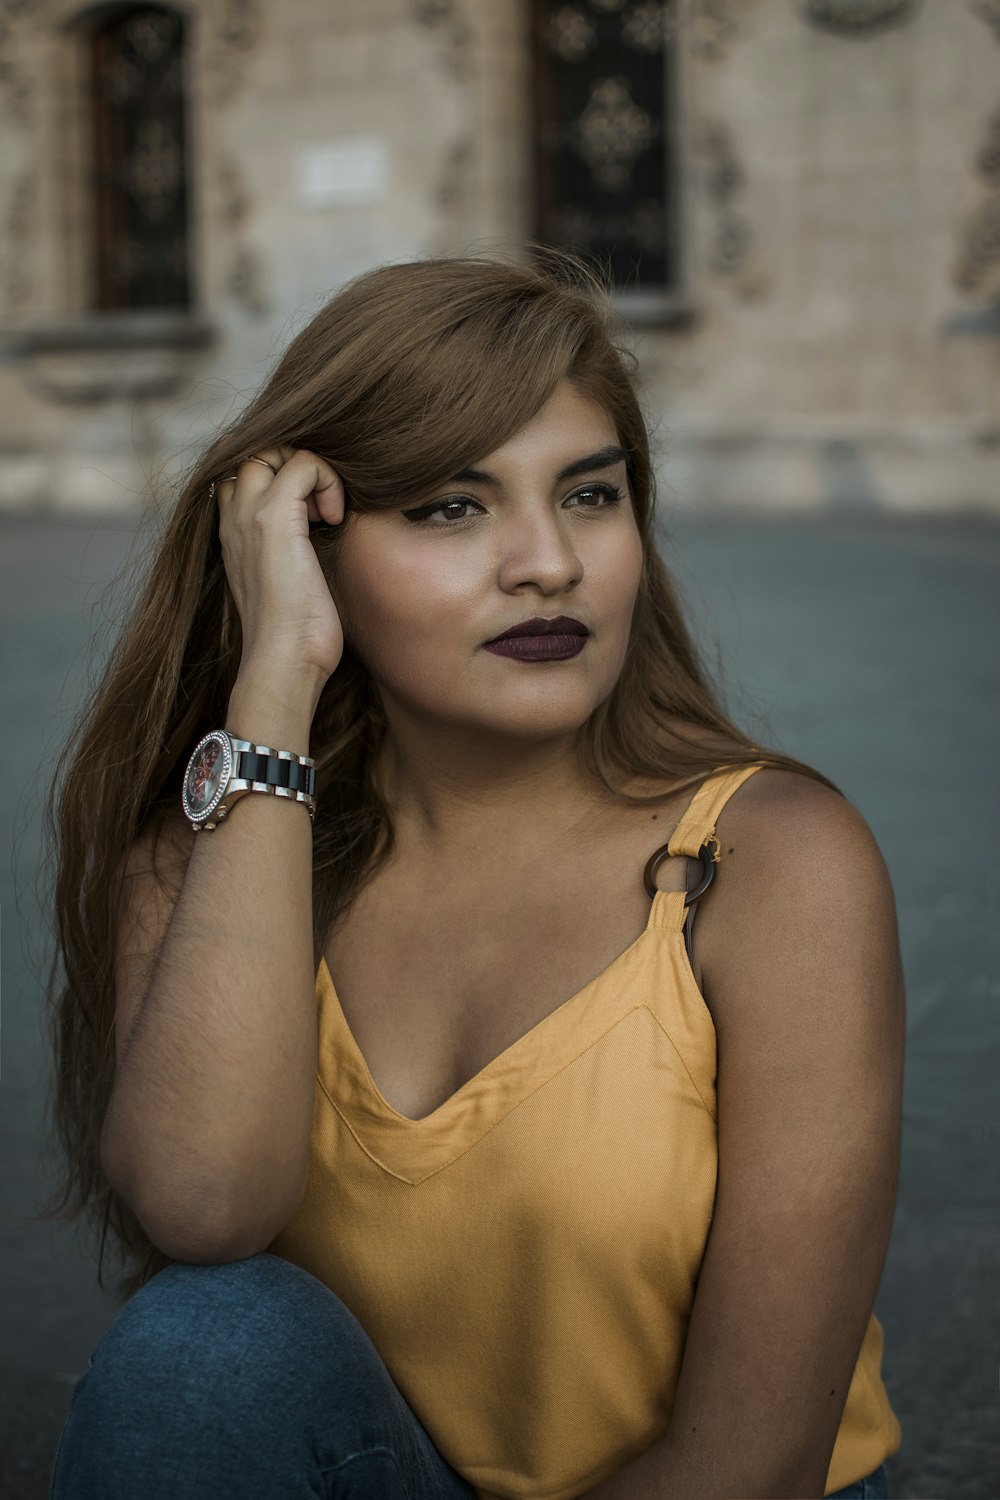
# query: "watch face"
[[206, 774]]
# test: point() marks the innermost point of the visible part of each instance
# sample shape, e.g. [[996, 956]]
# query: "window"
[[606, 180], [140, 189]]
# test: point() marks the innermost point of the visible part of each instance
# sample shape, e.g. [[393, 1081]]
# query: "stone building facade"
[[823, 333]]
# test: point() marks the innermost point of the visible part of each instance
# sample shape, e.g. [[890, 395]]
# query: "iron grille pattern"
[[140, 171], [605, 169]]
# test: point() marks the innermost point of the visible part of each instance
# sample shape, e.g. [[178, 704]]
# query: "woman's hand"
[[290, 622]]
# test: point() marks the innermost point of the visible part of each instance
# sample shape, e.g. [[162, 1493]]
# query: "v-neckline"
[[504, 1059], [648, 984]]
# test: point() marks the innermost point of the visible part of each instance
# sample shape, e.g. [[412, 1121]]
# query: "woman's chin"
[[538, 720]]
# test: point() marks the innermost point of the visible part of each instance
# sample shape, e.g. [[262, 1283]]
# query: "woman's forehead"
[[569, 425]]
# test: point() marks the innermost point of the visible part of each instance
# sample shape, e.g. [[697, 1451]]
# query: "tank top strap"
[[697, 823]]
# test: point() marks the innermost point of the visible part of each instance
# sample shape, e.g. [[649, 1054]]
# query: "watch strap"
[[282, 773], [280, 769]]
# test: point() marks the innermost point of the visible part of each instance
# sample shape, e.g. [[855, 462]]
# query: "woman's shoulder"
[[793, 845], [778, 805], [801, 893], [781, 826]]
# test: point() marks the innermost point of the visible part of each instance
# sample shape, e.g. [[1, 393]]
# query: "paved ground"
[[867, 647]]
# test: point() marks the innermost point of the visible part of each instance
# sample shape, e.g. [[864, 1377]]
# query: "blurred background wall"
[[799, 201]]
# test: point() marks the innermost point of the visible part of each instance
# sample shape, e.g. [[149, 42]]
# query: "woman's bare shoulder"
[[792, 842], [778, 797], [802, 886]]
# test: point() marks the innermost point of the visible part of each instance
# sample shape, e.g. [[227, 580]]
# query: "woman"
[[543, 1198]]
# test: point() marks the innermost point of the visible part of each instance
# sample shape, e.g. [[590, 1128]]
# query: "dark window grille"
[[606, 176], [140, 172]]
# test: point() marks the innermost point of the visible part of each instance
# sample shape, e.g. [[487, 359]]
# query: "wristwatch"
[[223, 769]]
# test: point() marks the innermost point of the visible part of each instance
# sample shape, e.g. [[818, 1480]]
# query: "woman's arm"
[[803, 975], [206, 1136]]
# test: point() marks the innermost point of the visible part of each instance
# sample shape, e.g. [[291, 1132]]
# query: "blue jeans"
[[874, 1486], [247, 1380], [251, 1380]]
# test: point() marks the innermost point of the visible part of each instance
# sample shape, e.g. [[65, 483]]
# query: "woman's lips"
[[538, 647]]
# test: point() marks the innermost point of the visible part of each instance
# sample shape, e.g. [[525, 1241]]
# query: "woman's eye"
[[444, 506], [449, 510], [607, 492]]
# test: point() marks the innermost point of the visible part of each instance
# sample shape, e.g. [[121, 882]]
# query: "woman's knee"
[[206, 1358], [261, 1323]]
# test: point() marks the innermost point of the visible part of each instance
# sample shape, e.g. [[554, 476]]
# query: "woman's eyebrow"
[[604, 458]]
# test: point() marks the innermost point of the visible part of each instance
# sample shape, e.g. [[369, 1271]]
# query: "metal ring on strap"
[[709, 859]]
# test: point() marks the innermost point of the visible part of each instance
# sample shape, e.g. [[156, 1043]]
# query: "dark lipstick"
[[541, 639]]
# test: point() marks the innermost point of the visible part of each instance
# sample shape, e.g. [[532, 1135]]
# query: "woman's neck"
[[456, 790]]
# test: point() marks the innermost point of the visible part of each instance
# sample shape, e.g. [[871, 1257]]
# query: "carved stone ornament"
[[857, 16], [977, 266], [989, 12], [714, 25], [233, 31], [233, 198], [988, 155], [15, 80], [15, 259], [730, 252], [452, 188], [245, 280], [447, 20], [18, 95], [452, 195], [454, 37]]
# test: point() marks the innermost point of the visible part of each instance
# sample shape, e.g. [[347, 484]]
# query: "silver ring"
[[252, 459]]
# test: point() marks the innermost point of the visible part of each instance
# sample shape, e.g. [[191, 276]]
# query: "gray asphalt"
[[867, 647]]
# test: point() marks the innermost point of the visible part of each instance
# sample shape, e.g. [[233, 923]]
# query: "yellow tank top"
[[524, 1259]]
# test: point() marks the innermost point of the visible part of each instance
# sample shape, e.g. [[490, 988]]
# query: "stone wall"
[[839, 343], [849, 353]]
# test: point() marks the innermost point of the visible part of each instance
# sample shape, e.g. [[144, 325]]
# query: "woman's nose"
[[538, 550]]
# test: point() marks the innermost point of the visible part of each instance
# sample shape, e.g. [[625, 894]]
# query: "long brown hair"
[[409, 374]]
